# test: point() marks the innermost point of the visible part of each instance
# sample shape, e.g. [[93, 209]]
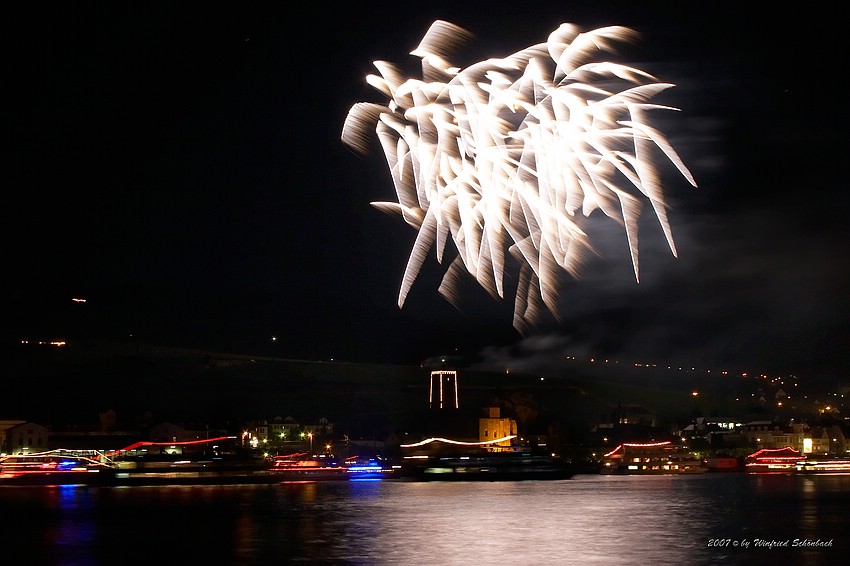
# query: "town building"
[[497, 431], [775, 435], [22, 437]]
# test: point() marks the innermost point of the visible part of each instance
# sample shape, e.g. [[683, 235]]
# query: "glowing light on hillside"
[[54, 343], [505, 156]]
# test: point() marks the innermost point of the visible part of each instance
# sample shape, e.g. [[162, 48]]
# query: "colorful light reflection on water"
[[584, 520]]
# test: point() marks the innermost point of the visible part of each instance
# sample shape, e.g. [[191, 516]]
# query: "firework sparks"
[[507, 156]]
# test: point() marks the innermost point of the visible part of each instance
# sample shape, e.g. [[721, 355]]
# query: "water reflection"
[[585, 520], [809, 510]]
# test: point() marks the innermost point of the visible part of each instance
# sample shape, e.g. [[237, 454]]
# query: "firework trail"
[[506, 156]]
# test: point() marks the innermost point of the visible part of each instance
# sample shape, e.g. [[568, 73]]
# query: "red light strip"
[[181, 443], [635, 445], [771, 450]]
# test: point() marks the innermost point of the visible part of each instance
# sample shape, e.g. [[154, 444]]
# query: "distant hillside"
[[141, 384]]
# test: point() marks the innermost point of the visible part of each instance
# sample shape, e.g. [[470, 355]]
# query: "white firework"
[[507, 156]]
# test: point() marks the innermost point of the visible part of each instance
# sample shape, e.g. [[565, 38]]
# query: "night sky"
[[181, 169]]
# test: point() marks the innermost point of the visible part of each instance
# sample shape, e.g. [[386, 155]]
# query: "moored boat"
[[823, 466], [651, 458], [773, 460], [56, 467], [220, 460], [443, 459], [496, 466], [302, 467], [370, 469]]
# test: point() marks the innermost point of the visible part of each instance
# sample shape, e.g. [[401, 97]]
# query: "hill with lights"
[[60, 385]]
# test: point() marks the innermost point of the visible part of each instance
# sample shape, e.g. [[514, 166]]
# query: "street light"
[[310, 436]]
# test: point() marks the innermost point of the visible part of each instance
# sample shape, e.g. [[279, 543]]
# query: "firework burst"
[[507, 156]]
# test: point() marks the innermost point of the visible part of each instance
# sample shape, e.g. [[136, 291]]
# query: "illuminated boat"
[[215, 461], [302, 467], [773, 460], [56, 467], [219, 460], [651, 458], [441, 459], [370, 469], [836, 466], [497, 466]]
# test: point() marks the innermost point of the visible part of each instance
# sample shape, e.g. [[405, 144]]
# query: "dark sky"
[[181, 169]]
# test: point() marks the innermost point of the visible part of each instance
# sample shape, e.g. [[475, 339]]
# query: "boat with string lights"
[[823, 466], [220, 460], [214, 461], [302, 466], [773, 460], [651, 458], [57, 467], [360, 469], [443, 459]]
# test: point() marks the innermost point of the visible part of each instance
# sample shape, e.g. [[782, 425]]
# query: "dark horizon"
[[77, 382]]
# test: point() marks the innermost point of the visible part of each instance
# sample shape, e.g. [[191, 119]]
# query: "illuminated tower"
[[442, 393]]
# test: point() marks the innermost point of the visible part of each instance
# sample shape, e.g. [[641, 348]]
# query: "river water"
[[589, 519]]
